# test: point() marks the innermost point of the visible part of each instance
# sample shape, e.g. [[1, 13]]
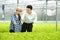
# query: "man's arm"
[[22, 17], [35, 19]]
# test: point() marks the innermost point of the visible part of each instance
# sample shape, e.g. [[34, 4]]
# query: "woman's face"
[[18, 11]]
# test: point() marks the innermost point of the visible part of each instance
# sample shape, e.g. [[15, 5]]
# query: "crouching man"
[[29, 17]]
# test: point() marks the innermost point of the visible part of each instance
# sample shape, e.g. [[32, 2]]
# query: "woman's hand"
[[14, 23]]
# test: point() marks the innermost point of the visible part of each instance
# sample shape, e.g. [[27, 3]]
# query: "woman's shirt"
[[18, 23]]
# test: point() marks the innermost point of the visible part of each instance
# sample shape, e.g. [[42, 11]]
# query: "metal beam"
[[56, 18]]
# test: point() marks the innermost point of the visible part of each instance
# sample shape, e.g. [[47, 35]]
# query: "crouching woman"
[[15, 25]]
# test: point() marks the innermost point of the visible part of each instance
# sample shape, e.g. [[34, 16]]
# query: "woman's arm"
[[13, 19]]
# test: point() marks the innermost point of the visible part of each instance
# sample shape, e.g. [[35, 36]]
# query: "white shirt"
[[29, 18]]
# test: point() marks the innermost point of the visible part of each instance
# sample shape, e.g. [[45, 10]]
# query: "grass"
[[41, 31]]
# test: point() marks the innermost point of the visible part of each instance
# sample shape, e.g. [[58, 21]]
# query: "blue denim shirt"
[[17, 27]]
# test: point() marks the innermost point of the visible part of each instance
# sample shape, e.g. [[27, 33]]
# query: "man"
[[28, 18]]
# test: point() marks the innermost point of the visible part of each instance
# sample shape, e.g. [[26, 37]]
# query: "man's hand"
[[22, 21]]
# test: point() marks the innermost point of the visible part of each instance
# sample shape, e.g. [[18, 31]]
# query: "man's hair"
[[29, 6]]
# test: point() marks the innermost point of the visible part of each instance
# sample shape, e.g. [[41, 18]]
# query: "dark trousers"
[[27, 26]]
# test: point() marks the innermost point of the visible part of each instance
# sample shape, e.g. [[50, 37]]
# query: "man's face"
[[28, 10]]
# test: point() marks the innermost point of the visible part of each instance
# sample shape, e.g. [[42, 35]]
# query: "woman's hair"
[[19, 16]]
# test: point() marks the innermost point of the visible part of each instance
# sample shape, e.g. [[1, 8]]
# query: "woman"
[[15, 25]]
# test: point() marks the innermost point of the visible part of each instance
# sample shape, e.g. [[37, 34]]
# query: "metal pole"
[[46, 11], [3, 9], [56, 18], [43, 13], [17, 3]]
